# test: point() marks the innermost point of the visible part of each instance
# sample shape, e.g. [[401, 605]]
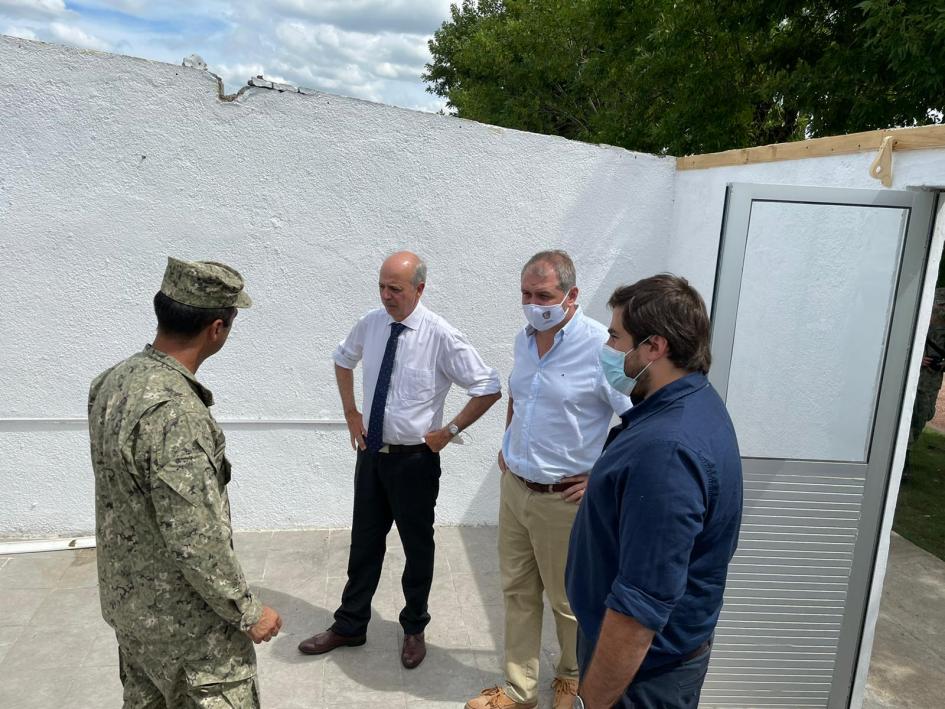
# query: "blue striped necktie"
[[375, 433]]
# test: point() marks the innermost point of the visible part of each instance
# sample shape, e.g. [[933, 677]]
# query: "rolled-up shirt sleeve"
[[662, 511], [349, 351], [464, 367]]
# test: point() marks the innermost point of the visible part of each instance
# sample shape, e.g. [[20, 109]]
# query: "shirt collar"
[[413, 320], [692, 382], [568, 326], [205, 394]]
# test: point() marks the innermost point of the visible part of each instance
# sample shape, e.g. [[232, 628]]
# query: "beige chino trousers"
[[534, 530]]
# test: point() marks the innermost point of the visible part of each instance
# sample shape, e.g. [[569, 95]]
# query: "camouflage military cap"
[[204, 284]]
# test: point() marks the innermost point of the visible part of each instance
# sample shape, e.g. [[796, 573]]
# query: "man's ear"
[[573, 294], [216, 330], [420, 288], [658, 345]]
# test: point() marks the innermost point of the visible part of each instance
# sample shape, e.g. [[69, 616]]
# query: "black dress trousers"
[[391, 487]]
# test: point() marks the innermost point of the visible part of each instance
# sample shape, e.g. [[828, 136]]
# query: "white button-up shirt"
[[431, 355], [562, 404]]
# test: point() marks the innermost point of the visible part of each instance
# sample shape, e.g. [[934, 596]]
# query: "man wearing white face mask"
[[559, 411]]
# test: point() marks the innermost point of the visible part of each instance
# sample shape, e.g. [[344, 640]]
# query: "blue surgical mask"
[[612, 362]]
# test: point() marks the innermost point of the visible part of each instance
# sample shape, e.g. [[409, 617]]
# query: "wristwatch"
[[453, 429], [578, 703]]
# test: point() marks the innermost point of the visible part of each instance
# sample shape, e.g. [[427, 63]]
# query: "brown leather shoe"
[[496, 698], [565, 692], [415, 649], [328, 641]]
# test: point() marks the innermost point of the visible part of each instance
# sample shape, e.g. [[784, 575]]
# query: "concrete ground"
[[907, 670], [55, 650]]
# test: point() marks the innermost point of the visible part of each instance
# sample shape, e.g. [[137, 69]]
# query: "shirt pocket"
[[219, 461], [416, 385]]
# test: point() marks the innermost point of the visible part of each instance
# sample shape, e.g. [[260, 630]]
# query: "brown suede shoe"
[[414, 650], [328, 641], [496, 698], [565, 692]]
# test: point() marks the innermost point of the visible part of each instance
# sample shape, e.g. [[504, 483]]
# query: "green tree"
[[691, 76]]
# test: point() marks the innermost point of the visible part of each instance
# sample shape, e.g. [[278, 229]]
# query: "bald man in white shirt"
[[560, 409], [411, 357]]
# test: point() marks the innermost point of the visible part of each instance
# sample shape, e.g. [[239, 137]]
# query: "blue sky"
[[371, 49]]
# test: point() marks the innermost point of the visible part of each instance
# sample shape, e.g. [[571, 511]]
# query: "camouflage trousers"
[[925, 398], [141, 691]]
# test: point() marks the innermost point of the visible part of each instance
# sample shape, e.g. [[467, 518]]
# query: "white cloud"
[[369, 15], [77, 37], [386, 54], [23, 32], [32, 8], [370, 49]]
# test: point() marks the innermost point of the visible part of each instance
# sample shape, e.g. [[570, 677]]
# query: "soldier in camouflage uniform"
[[930, 375], [169, 581]]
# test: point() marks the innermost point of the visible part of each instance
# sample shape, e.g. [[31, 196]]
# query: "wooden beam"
[[920, 138]]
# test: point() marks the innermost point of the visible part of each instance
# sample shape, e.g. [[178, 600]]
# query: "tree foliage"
[[692, 76]]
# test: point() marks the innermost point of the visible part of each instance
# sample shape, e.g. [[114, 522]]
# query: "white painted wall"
[[109, 164]]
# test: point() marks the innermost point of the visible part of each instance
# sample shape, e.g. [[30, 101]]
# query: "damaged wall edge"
[[259, 82]]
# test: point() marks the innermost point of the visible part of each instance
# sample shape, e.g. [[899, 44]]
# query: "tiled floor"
[[55, 650]]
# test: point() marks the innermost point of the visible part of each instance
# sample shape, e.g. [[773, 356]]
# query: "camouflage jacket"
[[935, 340], [167, 570]]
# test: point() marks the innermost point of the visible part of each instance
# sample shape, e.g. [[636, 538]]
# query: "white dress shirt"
[[562, 404], [431, 355]]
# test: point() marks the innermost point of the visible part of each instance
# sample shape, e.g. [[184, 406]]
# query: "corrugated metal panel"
[[777, 637]]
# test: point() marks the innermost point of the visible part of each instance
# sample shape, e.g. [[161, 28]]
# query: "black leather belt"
[[396, 448], [704, 647], [674, 663]]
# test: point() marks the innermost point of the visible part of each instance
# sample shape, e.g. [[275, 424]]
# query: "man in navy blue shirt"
[[659, 523]]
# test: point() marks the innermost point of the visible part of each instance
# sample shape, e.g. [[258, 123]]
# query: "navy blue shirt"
[[659, 521]]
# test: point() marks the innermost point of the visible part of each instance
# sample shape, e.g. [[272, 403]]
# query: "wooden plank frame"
[[919, 138]]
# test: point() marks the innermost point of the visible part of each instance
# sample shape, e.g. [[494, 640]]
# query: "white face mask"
[[545, 317]]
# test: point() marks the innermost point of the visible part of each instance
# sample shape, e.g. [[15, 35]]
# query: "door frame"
[[855, 633]]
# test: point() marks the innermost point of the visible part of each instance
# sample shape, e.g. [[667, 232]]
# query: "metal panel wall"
[[778, 635]]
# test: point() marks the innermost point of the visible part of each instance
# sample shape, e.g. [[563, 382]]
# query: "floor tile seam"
[[29, 619], [31, 587], [85, 589], [76, 587], [96, 622], [92, 628], [335, 689], [296, 581], [61, 575]]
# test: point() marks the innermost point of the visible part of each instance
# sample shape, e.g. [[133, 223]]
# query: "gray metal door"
[[813, 316]]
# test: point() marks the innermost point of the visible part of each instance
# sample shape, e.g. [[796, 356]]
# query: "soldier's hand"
[[267, 627], [356, 429]]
